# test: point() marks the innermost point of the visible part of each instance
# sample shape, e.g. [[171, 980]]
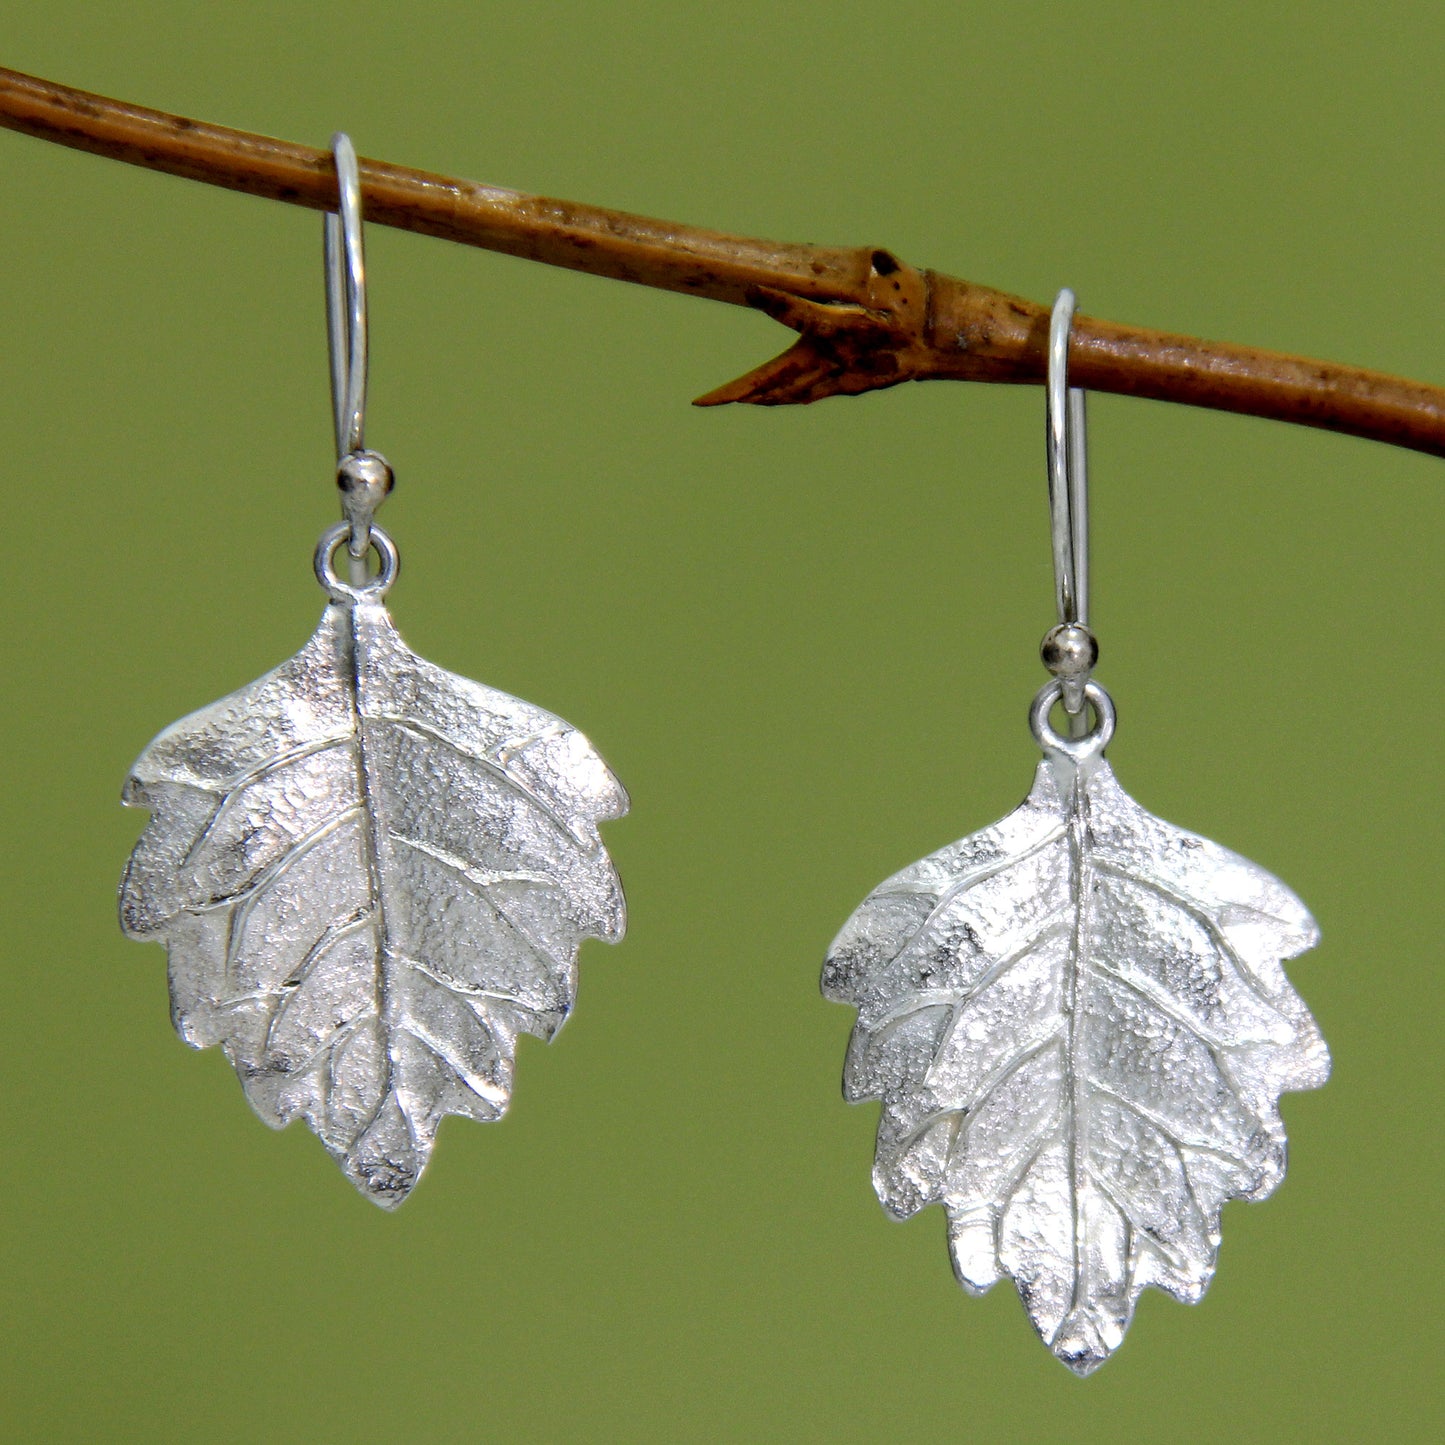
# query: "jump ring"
[[333, 539], [1078, 749]]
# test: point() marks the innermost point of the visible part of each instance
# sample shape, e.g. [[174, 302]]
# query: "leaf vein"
[[988, 979], [290, 989], [1195, 910], [488, 765], [468, 991], [1173, 1258], [482, 890], [1172, 1011], [273, 764], [488, 1092], [331, 1043], [1158, 1122], [273, 872], [984, 1091], [980, 874]]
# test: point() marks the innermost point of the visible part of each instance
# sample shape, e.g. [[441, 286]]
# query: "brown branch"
[[865, 319]]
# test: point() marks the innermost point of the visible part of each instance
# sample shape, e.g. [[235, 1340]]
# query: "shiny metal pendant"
[[1077, 1022], [1079, 1028], [370, 875]]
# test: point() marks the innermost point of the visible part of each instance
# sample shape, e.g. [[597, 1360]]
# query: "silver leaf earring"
[[370, 875], [1077, 1020]]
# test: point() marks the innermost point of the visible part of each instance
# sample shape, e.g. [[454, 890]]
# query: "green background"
[[804, 638]]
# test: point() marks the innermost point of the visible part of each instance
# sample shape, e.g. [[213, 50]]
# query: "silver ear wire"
[[365, 478], [346, 300], [1069, 650]]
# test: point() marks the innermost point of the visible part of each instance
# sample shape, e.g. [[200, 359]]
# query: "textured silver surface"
[[371, 876], [1079, 1029]]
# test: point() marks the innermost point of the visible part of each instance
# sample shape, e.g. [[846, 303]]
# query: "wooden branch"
[[865, 319]]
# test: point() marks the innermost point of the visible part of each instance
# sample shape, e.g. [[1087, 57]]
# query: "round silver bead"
[[1069, 651], [365, 479]]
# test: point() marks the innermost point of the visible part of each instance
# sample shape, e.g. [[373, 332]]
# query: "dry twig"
[[864, 318]]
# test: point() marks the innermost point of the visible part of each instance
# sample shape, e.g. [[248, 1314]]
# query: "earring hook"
[[346, 300], [1068, 471], [1069, 650], [364, 477]]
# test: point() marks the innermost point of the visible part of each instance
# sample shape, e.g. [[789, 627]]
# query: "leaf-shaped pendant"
[[1079, 1028], [371, 876]]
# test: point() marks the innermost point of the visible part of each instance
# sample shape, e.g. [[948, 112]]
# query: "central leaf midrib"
[[368, 801], [1076, 969]]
